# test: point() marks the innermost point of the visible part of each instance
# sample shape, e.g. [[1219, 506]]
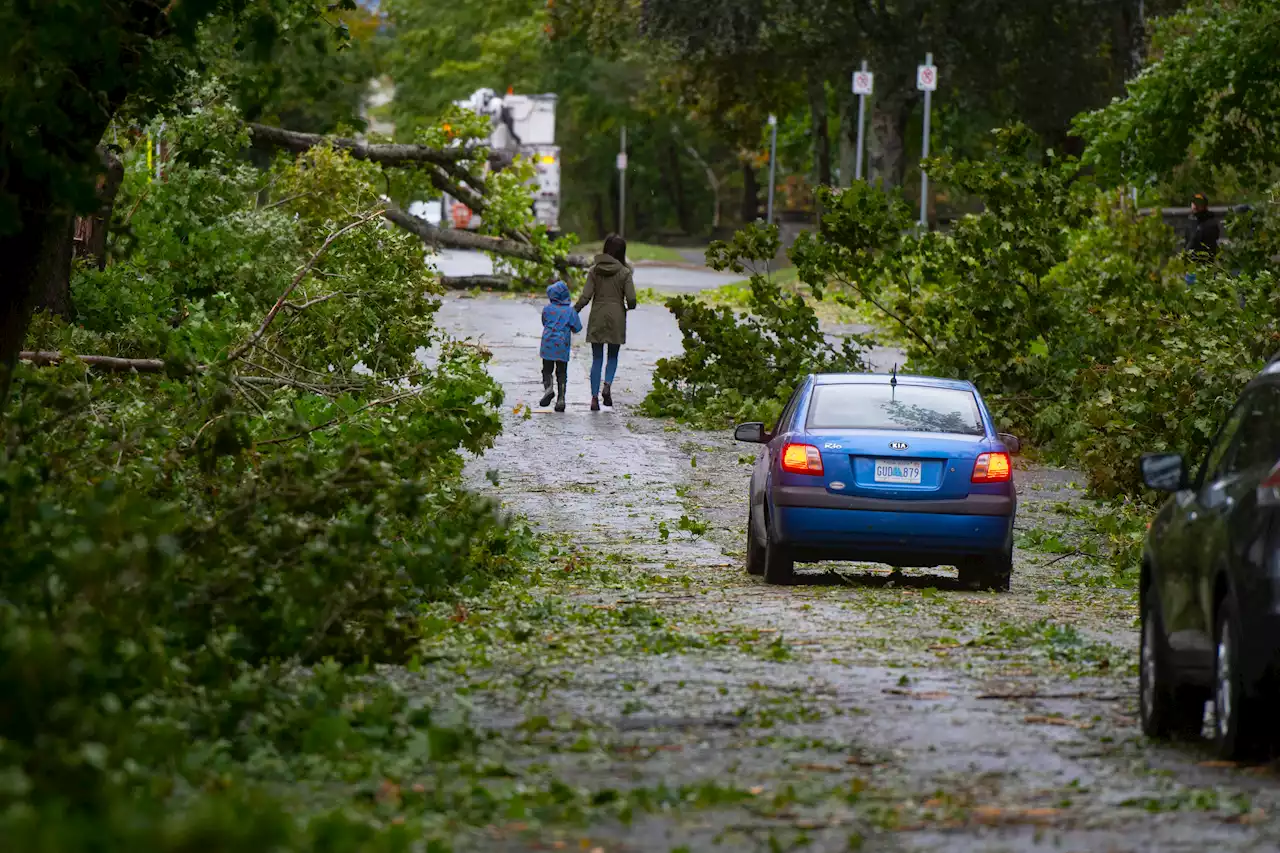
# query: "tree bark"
[[53, 285], [847, 150], [750, 194], [676, 180], [888, 149], [113, 177], [1134, 24], [390, 154], [458, 238], [820, 128]]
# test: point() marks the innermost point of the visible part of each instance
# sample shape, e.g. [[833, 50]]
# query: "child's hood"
[[558, 293]]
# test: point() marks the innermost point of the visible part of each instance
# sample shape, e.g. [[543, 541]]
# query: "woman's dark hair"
[[616, 247]]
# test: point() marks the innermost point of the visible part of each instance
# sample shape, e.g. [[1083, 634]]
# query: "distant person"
[[1203, 237], [611, 293], [559, 322]]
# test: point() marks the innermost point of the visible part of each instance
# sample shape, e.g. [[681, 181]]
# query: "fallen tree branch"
[[394, 398], [103, 362], [112, 364], [457, 238], [387, 154], [486, 282], [297, 279]]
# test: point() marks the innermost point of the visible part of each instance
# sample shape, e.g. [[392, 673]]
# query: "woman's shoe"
[[595, 404], [606, 394]]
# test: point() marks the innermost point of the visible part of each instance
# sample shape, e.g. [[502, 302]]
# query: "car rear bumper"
[[817, 497], [898, 538]]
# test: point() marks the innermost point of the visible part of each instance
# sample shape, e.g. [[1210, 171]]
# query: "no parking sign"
[[927, 78], [862, 82]]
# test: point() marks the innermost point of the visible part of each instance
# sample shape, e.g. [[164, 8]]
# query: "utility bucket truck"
[[524, 126]]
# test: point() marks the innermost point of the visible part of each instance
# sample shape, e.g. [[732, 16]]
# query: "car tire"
[[994, 573], [1165, 707], [779, 566], [755, 551], [1238, 730]]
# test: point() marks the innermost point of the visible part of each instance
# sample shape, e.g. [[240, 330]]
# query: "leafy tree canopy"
[[1211, 96]]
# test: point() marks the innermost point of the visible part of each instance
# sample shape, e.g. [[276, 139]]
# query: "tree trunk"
[[750, 194], [819, 127], [33, 256], [53, 286], [677, 188], [95, 246], [601, 228], [1134, 23], [848, 148], [887, 149]]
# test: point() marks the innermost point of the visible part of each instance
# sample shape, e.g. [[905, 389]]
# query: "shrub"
[[743, 367], [198, 564]]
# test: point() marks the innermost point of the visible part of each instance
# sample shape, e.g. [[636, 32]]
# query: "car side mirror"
[[1011, 442], [751, 433], [1164, 472]]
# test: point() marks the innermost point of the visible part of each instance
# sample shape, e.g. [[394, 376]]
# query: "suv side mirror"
[[752, 433], [1164, 472], [1011, 442]]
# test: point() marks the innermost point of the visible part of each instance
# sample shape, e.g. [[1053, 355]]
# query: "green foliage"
[[1073, 315], [69, 67], [743, 367], [176, 545], [1209, 97]]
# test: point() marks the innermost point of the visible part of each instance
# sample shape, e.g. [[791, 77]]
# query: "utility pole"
[[773, 162], [926, 80], [862, 82], [622, 185]]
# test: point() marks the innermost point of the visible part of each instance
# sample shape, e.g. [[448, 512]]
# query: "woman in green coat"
[[611, 293]]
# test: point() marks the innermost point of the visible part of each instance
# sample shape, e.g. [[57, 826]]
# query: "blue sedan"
[[903, 470]]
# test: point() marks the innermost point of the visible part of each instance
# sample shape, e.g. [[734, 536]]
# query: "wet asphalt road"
[[905, 684]]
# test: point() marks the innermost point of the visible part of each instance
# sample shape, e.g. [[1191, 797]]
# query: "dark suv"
[[1210, 590]]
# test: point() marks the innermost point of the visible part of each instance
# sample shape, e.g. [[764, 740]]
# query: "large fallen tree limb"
[[485, 282], [387, 154], [112, 364], [102, 362], [457, 238]]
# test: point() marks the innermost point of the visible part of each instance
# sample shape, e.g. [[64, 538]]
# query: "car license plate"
[[897, 471]]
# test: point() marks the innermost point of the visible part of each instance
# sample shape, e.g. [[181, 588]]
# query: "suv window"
[[1248, 437], [1257, 443]]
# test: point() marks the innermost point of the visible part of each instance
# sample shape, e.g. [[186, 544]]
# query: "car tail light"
[[801, 459], [992, 468]]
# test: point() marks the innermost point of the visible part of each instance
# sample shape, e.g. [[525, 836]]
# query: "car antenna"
[[893, 382]]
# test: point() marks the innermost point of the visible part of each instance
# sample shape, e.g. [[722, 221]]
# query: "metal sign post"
[[622, 185], [773, 162], [862, 84], [927, 82]]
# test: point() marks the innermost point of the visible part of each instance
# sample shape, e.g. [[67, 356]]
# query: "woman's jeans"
[[610, 369]]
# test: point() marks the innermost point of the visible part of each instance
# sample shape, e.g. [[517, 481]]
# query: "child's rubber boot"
[[595, 404], [606, 395], [560, 398], [547, 393]]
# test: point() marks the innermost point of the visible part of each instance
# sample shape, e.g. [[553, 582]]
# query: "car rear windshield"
[[913, 408]]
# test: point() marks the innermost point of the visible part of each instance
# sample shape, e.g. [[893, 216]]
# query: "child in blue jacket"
[[559, 322]]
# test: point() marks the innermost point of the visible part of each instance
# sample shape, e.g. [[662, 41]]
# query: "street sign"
[[862, 82], [622, 162], [927, 78]]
